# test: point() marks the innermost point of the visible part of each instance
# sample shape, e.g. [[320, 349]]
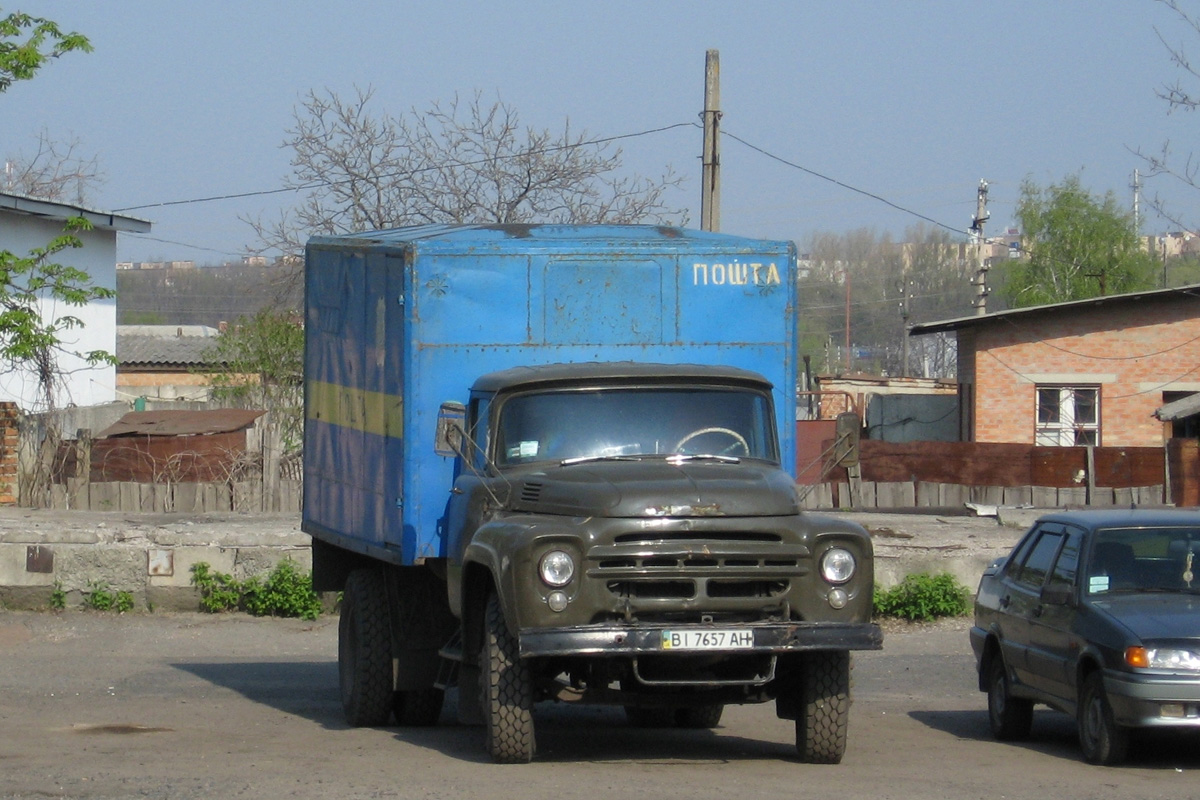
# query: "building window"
[[1068, 416]]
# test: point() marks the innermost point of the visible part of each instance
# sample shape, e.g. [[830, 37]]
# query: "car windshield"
[[1144, 560], [625, 423]]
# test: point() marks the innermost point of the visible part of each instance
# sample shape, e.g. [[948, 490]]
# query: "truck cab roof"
[[570, 374]]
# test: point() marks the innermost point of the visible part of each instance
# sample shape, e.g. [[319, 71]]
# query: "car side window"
[[1067, 565], [1041, 557]]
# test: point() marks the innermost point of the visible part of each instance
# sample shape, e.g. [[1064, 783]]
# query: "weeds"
[[102, 598], [285, 592], [922, 597], [58, 597]]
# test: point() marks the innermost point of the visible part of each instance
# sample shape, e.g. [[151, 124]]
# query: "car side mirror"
[[451, 429], [1056, 595]]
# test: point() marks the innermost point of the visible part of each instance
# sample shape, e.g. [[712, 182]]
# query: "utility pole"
[[710, 189], [1137, 202], [980, 280], [906, 290]]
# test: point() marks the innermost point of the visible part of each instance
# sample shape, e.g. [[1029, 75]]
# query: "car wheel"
[[1010, 717], [1102, 740]]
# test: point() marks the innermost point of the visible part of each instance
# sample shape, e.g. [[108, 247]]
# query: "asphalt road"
[[190, 705]]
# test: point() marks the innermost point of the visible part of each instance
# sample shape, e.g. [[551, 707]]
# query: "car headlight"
[[557, 568], [1164, 658], [837, 565]]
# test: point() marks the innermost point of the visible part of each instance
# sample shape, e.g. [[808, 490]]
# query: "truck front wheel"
[[507, 692], [364, 650], [824, 712]]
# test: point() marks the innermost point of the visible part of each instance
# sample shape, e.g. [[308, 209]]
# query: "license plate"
[[707, 640]]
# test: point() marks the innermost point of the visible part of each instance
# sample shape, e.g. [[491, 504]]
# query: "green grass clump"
[[284, 592], [923, 597]]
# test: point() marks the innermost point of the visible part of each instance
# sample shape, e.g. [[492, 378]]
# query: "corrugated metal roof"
[[1192, 290], [37, 207], [1178, 409], [181, 423], [186, 351]]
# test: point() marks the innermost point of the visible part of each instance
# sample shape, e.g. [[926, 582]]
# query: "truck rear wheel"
[[507, 692], [824, 713], [364, 650]]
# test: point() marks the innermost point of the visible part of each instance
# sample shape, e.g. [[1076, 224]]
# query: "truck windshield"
[[616, 423]]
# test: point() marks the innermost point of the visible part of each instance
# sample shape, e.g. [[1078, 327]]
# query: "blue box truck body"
[[554, 462], [399, 321]]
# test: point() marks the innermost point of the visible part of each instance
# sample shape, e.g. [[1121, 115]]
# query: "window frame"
[[1065, 430]]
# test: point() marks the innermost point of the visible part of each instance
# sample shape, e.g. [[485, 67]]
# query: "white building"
[[27, 224]]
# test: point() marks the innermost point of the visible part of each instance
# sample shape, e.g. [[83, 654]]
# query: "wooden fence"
[[939, 474], [243, 471]]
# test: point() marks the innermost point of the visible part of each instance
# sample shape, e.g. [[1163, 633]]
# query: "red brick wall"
[[8, 454], [1134, 351]]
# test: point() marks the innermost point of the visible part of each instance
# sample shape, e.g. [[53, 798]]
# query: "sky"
[[912, 102]]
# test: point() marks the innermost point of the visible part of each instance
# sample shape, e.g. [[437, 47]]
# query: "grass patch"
[[922, 597]]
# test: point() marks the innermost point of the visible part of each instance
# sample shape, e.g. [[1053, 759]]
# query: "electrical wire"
[[319, 184]]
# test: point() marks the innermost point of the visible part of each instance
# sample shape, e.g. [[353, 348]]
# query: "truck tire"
[[824, 714], [508, 692], [365, 650], [419, 708], [700, 716]]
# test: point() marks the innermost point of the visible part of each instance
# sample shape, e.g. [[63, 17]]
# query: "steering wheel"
[[738, 440]]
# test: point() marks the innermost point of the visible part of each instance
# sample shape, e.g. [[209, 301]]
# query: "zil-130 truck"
[[551, 463]]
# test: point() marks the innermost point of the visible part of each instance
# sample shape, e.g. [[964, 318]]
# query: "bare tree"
[[57, 170], [1182, 94], [463, 162]]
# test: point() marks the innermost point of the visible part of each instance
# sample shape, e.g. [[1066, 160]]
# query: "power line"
[[318, 184], [839, 183]]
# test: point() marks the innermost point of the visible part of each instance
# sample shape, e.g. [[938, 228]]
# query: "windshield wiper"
[[567, 462], [681, 458]]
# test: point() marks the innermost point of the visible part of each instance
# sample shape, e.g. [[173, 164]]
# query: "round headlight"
[[557, 568], [837, 565]]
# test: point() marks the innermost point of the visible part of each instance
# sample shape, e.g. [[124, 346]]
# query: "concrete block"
[[13, 572]]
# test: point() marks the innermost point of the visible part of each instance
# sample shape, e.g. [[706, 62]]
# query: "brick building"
[[1078, 373]]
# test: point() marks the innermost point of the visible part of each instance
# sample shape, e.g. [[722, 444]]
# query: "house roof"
[[1094, 303], [35, 207], [1178, 409], [162, 351], [181, 423]]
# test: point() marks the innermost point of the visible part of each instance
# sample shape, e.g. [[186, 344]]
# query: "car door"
[[1053, 646], [1022, 599]]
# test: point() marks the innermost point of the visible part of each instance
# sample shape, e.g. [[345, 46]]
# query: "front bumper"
[[1146, 701], [772, 638]]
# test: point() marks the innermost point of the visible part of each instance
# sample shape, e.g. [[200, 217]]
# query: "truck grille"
[[728, 571]]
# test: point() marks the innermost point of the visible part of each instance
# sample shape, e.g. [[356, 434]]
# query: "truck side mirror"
[[451, 429]]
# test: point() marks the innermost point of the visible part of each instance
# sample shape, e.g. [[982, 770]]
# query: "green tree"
[[27, 43], [33, 283], [259, 363], [1078, 246]]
